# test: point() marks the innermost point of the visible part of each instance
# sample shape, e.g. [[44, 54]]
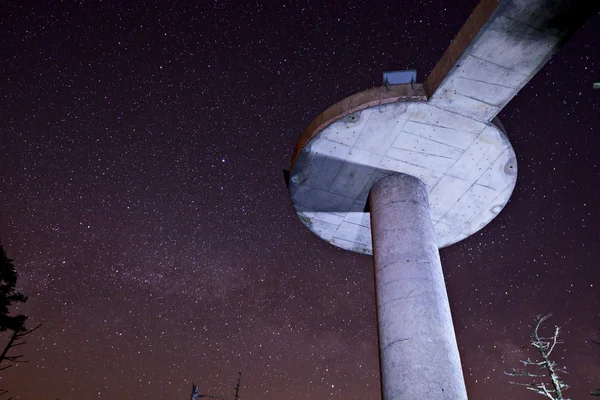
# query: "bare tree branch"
[[544, 346], [3, 392], [16, 339]]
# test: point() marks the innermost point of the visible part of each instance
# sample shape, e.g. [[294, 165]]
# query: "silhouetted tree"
[[549, 369], [597, 391], [14, 323], [8, 295], [16, 339]]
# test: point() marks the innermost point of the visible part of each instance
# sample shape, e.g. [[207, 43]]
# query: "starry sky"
[[143, 201]]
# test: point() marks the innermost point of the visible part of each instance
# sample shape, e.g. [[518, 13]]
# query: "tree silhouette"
[[14, 323], [597, 391], [8, 295]]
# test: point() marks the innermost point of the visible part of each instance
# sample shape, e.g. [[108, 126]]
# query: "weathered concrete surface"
[[369, 98], [418, 351]]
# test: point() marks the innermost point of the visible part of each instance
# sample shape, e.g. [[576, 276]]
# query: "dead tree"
[[545, 368]]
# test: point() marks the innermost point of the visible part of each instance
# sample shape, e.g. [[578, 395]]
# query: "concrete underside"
[[469, 168], [442, 132]]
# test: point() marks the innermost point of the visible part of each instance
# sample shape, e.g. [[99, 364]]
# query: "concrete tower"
[[401, 170]]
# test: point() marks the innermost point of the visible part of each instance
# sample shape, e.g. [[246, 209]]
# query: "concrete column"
[[417, 347]]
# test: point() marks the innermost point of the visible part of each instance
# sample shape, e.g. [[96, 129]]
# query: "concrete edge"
[[463, 39], [359, 101]]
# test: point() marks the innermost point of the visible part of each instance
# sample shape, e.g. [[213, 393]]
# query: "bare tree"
[[546, 368]]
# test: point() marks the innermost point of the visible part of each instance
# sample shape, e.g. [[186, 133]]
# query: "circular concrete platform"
[[468, 166]]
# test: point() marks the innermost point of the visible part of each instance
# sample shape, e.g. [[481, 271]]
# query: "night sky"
[[143, 202]]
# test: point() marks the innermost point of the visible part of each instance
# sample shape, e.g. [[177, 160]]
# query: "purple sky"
[[143, 202]]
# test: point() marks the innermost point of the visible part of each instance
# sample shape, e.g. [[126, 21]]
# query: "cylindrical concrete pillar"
[[417, 345]]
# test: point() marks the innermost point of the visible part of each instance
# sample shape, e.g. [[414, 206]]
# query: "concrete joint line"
[[404, 262], [394, 342], [405, 297], [406, 279]]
